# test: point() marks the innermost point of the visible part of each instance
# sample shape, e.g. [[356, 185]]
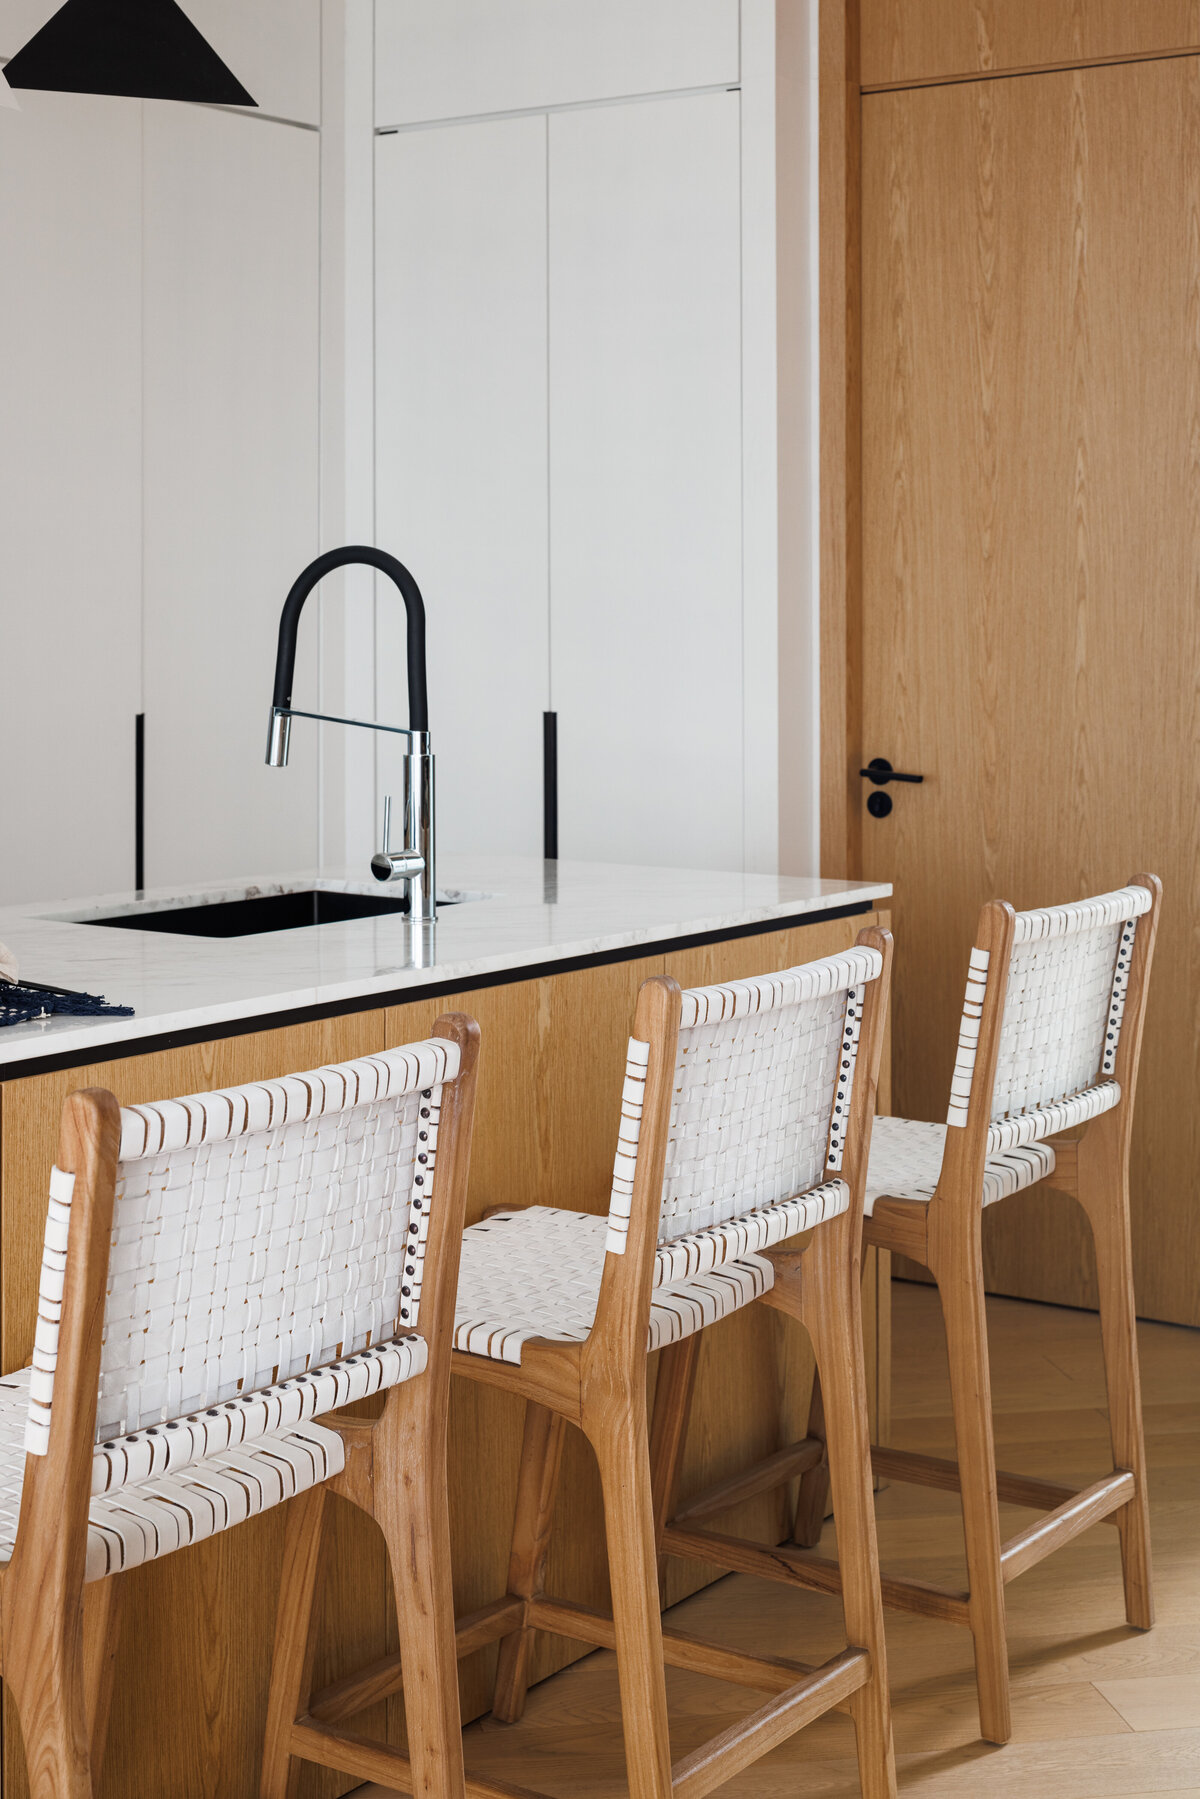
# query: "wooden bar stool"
[[219, 1272], [1043, 1090], [745, 1119]]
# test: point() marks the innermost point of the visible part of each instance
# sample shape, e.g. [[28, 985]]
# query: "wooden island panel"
[[193, 1662]]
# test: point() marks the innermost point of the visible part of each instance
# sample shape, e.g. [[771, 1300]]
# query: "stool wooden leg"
[[677, 1366], [812, 1501], [617, 1431], [49, 1690], [1104, 1194], [291, 1665], [537, 1484], [833, 1314], [101, 1638], [412, 1511], [957, 1266]]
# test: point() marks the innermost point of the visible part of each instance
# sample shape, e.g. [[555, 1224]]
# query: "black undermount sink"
[[264, 912]]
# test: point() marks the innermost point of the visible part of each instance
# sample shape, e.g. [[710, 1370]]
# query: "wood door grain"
[[907, 41], [1031, 550]]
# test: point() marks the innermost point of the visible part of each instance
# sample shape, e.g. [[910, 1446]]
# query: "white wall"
[[159, 300]]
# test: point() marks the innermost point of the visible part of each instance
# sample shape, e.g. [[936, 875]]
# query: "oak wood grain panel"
[[938, 40], [840, 433], [1032, 569]]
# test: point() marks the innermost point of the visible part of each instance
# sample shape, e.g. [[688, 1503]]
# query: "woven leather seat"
[[537, 1273], [906, 1160]]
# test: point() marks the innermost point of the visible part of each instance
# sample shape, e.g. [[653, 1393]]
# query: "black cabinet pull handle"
[[880, 771]]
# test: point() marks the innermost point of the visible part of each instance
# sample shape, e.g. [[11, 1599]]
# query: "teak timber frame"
[[59, 1637], [600, 1387], [945, 1234]]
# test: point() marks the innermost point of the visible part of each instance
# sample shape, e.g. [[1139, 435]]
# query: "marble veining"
[[534, 913]]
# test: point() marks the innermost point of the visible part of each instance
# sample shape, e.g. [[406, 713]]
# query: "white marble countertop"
[[534, 913]]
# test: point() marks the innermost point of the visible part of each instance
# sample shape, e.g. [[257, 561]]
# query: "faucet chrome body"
[[415, 862]]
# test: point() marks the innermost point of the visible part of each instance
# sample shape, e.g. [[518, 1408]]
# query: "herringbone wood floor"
[[1100, 1711]]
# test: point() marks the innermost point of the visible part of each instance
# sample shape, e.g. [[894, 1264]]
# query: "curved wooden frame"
[[600, 1387], [59, 1637], [945, 1233]]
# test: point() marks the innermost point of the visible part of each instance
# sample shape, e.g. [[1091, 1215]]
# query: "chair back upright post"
[[1101, 1186], [42, 1595], [864, 1093], [975, 1063], [616, 1347]]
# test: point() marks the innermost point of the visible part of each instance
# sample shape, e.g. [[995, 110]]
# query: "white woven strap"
[[1081, 915], [1062, 1016], [968, 1037], [685, 1257], [167, 1448], [791, 987], [260, 1232], [1116, 1004], [633, 1100], [49, 1319], [1046, 1121], [759, 1116], [264, 1105]]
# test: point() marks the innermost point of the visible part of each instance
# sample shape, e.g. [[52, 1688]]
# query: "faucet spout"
[[415, 863], [289, 620]]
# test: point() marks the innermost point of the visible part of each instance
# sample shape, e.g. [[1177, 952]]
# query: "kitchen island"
[[548, 956]]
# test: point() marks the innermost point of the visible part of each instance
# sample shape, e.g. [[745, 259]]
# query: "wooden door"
[[1031, 572]]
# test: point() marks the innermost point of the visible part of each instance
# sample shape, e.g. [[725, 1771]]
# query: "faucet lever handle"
[[387, 823]]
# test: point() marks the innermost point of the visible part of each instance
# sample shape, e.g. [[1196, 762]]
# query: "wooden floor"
[[1099, 1711]]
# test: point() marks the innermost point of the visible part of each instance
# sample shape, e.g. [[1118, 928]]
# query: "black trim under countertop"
[[404, 996]]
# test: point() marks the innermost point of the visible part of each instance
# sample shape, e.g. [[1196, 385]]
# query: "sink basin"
[[249, 916]]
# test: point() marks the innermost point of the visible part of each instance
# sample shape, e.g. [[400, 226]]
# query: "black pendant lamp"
[[143, 49]]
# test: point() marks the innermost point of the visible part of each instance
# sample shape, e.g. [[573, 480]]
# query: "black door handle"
[[880, 771]]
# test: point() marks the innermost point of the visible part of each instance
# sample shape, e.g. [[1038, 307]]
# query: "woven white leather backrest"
[[763, 1081], [259, 1232], [1063, 1007]]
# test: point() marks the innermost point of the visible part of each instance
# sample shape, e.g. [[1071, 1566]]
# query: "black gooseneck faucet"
[[415, 863]]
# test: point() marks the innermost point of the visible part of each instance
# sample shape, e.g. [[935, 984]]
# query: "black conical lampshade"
[[144, 49]]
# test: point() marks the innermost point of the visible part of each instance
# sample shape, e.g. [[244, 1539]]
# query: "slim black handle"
[[880, 771]]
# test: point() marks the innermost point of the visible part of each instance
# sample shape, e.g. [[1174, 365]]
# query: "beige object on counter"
[[8, 964]]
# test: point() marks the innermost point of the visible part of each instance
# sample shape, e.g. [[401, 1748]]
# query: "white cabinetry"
[[645, 479], [453, 59], [70, 494], [231, 486], [560, 366], [460, 493]]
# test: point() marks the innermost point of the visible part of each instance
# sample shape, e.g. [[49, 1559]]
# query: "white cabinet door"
[[449, 59], [70, 501], [460, 336], [645, 481], [231, 284]]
